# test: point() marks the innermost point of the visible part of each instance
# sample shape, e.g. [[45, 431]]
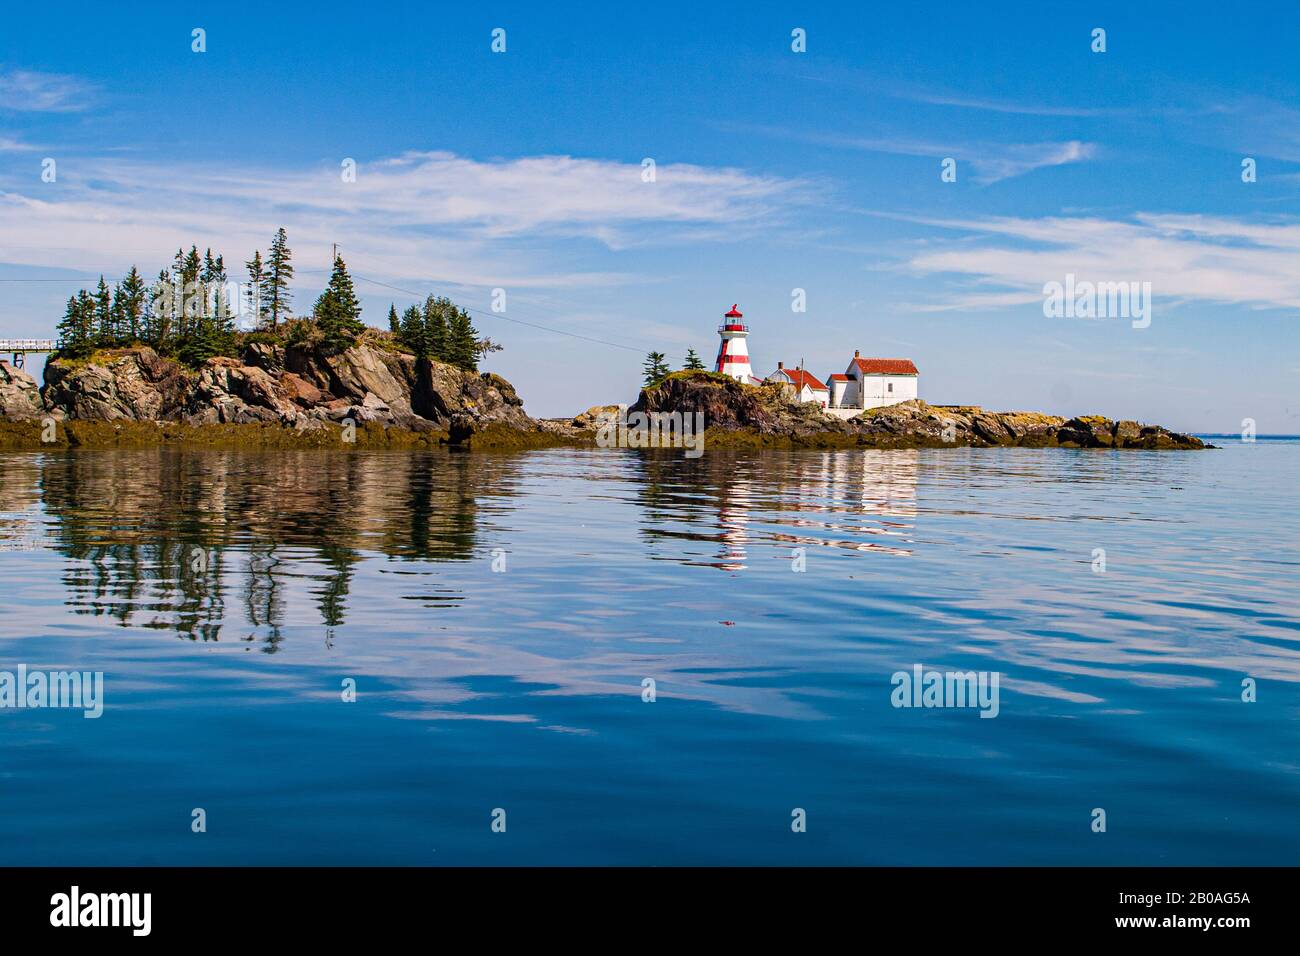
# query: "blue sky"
[[775, 171]]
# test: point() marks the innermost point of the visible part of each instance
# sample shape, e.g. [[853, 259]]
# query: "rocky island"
[[765, 416], [270, 396], [299, 396]]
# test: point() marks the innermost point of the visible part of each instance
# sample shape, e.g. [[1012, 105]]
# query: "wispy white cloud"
[[1247, 125], [1004, 106], [993, 163], [990, 161], [434, 216], [1184, 257], [30, 91], [878, 85]]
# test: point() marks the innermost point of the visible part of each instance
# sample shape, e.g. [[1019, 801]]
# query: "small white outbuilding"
[[801, 384]]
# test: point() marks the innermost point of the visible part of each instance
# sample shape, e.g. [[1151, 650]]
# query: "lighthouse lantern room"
[[733, 353]]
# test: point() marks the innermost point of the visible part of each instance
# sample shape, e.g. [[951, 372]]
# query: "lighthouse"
[[733, 353]]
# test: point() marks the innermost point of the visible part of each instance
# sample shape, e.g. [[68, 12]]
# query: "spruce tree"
[[103, 329], [437, 317], [204, 329], [211, 334], [117, 316], [74, 333], [279, 270], [337, 311], [88, 310], [207, 279], [176, 302], [255, 292], [190, 310], [131, 294], [440, 331], [394, 323], [412, 332], [158, 312], [462, 341], [693, 362], [217, 277], [654, 368]]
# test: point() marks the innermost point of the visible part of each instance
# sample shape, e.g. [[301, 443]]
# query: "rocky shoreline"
[[743, 416], [371, 396], [272, 396]]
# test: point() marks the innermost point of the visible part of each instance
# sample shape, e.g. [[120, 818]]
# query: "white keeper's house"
[[870, 383], [866, 383]]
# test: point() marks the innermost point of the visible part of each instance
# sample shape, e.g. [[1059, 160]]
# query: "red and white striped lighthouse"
[[733, 353]]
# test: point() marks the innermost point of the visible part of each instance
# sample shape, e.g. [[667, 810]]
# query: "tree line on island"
[[186, 313]]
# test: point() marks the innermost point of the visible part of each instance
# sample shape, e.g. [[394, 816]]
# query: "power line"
[[499, 315]]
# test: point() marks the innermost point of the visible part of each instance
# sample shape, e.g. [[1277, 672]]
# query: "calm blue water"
[[227, 596]]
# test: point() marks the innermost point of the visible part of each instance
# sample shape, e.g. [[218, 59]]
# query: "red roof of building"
[[839, 377], [735, 313], [884, 366], [800, 378]]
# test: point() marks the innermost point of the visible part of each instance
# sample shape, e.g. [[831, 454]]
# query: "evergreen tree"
[[103, 327], [223, 318], [437, 317], [207, 279], [654, 368], [255, 293], [130, 301], [441, 331], [211, 334], [462, 341], [189, 311], [117, 316], [412, 332], [213, 287], [74, 329], [159, 312], [394, 323], [203, 327], [279, 270], [337, 311], [176, 298], [693, 362]]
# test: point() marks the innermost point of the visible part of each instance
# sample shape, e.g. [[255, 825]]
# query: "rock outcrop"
[[294, 386], [736, 414], [20, 398]]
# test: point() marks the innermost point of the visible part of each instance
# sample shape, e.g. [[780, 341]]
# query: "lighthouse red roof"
[[735, 313]]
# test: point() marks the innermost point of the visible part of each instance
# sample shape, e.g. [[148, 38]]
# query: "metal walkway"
[[19, 348]]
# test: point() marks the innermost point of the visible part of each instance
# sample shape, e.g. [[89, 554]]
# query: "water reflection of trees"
[[169, 539], [861, 500]]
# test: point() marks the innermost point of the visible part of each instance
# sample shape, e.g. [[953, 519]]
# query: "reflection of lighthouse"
[[733, 353], [733, 522]]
